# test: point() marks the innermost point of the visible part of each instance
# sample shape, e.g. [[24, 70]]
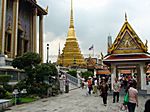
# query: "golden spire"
[[125, 16], [59, 50], [71, 54], [71, 16], [71, 31]]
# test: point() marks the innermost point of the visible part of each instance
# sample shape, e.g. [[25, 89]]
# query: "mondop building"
[[18, 28]]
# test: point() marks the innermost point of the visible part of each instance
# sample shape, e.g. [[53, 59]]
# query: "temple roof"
[[40, 10], [127, 57], [91, 62], [127, 41], [127, 47]]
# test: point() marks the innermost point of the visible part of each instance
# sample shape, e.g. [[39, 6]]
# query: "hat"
[[94, 76], [90, 77], [103, 77]]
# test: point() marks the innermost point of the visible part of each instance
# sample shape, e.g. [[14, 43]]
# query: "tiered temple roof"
[[127, 46]]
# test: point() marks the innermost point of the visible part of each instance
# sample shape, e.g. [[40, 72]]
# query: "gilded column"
[[2, 25], [14, 28], [41, 36], [34, 40]]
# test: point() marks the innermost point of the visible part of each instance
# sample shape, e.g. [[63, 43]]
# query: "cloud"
[[53, 41], [94, 20]]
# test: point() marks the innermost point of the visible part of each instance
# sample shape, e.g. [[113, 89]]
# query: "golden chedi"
[[71, 54]]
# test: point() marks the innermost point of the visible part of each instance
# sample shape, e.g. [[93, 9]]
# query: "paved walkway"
[[74, 101]]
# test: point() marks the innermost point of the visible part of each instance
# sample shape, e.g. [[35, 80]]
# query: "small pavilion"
[[128, 52]]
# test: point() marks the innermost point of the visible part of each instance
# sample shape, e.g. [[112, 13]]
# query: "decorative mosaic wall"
[[0, 12], [24, 18], [9, 13], [25, 13]]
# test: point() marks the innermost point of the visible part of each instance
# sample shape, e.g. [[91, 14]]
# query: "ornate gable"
[[127, 41], [91, 62]]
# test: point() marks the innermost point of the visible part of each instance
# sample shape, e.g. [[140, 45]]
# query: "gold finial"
[[102, 56], [71, 16], [59, 50], [125, 17], [46, 9], [146, 44]]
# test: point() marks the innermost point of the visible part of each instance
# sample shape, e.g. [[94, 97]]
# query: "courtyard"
[[75, 101]]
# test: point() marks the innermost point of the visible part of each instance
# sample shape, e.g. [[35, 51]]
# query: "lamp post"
[[24, 91], [15, 93], [47, 52]]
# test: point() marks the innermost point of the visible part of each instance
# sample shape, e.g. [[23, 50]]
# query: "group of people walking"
[[103, 85]]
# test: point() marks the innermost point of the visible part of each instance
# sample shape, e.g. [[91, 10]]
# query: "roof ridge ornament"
[[46, 9], [125, 16]]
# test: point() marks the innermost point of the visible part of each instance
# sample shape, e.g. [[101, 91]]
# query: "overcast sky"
[[94, 20]]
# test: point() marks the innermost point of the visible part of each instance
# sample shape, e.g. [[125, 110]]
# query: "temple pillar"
[[138, 77], [143, 77], [113, 74], [41, 36], [2, 25], [34, 40], [14, 28], [119, 74]]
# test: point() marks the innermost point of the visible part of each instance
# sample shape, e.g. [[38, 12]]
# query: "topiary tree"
[[45, 70], [4, 79], [29, 59], [27, 62], [36, 73], [5, 89]]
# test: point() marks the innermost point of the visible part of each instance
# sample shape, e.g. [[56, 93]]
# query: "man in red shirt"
[[90, 85]]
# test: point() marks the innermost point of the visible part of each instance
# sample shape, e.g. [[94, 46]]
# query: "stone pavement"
[[75, 101]]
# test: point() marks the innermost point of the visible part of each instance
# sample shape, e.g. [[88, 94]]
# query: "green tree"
[[87, 74], [36, 73], [72, 73], [45, 70], [4, 79], [27, 62], [5, 89]]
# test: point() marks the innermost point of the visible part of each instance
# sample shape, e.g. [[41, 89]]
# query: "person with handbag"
[[133, 96]]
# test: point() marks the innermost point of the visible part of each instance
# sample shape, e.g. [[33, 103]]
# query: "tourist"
[[109, 84], [125, 82], [116, 90], [133, 96], [147, 106], [86, 86], [104, 89], [90, 85], [82, 83], [95, 87]]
